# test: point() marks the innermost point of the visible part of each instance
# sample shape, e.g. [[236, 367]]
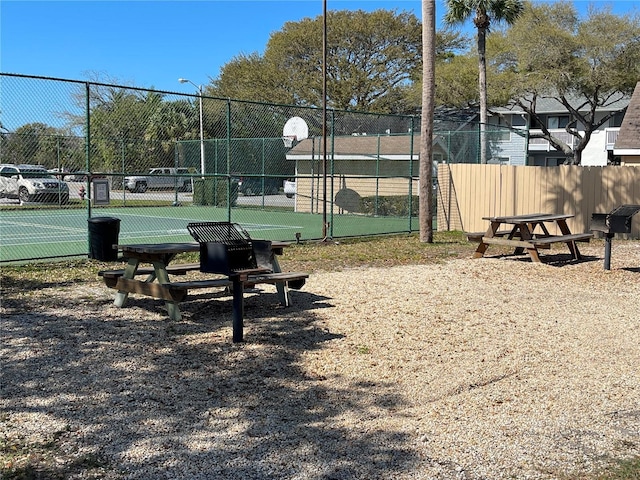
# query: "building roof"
[[383, 145], [629, 136], [546, 105]]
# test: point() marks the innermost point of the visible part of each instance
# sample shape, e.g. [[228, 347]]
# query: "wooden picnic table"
[[530, 232], [159, 284]]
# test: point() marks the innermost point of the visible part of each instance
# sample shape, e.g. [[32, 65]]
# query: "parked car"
[[254, 186], [32, 183], [290, 187], [160, 179]]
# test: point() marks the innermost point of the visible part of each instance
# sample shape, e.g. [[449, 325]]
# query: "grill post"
[[607, 250], [238, 308]]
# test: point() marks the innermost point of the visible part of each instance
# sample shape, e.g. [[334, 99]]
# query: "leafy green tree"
[[373, 60], [482, 12], [457, 81], [450, 50], [251, 77], [41, 144], [584, 64]]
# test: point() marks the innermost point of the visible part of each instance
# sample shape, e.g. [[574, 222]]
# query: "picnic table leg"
[[533, 253], [573, 247], [525, 234], [160, 269], [281, 287], [129, 274], [238, 308], [482, 247], [518, 229]]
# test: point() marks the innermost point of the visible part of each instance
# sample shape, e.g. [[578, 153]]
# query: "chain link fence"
[[159, 160]]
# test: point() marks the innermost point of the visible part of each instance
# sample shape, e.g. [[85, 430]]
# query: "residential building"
[[599, 151]]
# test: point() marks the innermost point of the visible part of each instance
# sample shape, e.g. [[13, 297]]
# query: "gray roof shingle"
[[360, 145], [629, 136]]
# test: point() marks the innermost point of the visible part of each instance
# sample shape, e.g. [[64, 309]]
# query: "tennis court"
[[38, 234]]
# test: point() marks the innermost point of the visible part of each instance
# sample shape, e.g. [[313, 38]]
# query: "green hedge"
[[392, 206], [213, 191]]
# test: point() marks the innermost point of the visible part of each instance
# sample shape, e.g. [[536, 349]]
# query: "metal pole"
[[238, 308], [324, 119], [202, 167], [88, 145], [199, 87], [607, 251]]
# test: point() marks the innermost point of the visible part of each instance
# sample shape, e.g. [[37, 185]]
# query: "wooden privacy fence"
[[466, 193]]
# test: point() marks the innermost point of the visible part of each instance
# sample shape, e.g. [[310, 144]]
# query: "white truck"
[[162, 178]]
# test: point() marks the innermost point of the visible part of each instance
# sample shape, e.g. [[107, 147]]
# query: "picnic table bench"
[[176, 291]]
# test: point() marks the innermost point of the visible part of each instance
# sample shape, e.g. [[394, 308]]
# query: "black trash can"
[[103, 235]]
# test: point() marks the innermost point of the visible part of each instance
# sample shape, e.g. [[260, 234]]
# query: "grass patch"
[[384, 251], [20, 460], [623, 470]]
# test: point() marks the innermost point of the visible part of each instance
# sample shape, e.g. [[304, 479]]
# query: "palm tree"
[[459, 11], [426, 128]]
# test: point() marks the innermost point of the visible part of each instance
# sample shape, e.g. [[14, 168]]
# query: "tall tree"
[[483, 11], [373, 58], [40, 144], [585, 65], [426, 130]]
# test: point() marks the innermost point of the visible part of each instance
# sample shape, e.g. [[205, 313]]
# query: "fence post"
[[88, 148]]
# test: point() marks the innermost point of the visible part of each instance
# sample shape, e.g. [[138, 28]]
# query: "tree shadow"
[[152, 398]]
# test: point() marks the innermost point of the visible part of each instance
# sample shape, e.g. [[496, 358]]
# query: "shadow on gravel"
[[554, 259], [632, 269], [126, 393]]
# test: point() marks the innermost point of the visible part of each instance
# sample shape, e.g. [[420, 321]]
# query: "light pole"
[[199, 87]]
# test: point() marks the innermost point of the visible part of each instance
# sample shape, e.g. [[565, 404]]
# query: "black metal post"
[[238, 308], [607, 250]]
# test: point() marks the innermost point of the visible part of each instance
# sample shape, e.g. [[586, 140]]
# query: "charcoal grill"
[[616, 221], [226, 248]]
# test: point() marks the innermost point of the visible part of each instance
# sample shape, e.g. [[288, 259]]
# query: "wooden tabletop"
[[174, 248], [160, 248], [529, 218]]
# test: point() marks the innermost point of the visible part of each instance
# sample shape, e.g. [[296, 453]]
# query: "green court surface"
[[27, 234]]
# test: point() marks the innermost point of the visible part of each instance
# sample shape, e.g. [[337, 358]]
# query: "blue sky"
[[148, 43], [153, 43]]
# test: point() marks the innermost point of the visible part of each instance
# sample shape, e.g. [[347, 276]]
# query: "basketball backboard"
[[295, 129]]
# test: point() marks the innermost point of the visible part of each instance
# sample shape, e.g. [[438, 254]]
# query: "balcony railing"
[[612, 136], [541, 144]]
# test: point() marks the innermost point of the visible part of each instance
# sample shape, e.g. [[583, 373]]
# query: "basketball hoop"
[[288, 140], [294, 130]]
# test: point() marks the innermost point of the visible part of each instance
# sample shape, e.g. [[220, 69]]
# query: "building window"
[[499, 130], [554, 161], [557, 121], [499, 160], [616, 120]]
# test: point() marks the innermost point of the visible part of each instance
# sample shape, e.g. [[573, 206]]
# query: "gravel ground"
[[473, 369]]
